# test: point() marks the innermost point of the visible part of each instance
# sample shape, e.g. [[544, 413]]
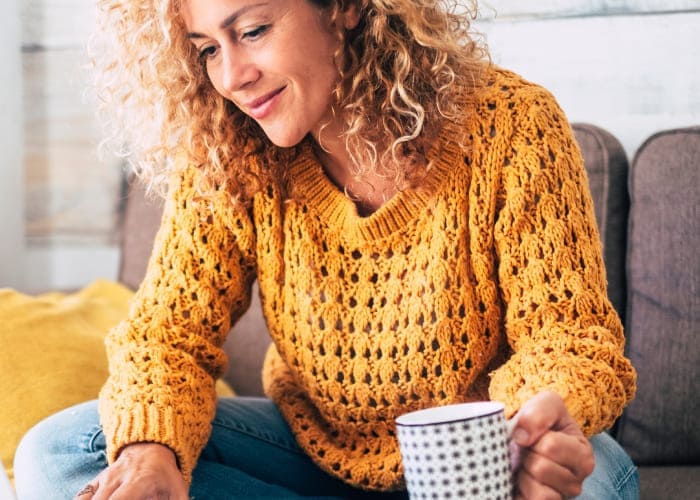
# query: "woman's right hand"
[[142, 471]]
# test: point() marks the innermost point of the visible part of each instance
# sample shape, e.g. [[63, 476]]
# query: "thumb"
[[543, 412]]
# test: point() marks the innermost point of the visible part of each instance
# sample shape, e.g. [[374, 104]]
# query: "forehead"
[[208, 10], [204, 10], [205, 17]]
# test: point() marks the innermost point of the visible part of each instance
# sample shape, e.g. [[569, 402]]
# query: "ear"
[[351, 15]]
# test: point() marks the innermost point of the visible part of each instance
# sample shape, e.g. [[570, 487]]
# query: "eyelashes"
[[209, 51], [256, 33]]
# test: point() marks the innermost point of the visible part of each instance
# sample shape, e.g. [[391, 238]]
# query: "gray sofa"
[[649, 220], [651, 253]]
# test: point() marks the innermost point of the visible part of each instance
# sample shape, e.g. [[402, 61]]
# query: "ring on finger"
[[88, 488]]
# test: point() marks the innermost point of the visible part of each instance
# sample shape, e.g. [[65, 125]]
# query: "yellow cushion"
[[52, 354]]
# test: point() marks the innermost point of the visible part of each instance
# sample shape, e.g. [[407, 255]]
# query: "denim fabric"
[[59, 455], [615, 476], [251, 453]]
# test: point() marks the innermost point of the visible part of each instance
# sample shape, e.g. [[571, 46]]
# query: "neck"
[[369, 191]]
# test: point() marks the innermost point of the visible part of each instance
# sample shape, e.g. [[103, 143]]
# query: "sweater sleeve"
[[164, 358], [563, 332]]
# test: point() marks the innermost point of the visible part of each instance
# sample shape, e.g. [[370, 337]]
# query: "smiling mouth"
[[261, 107]]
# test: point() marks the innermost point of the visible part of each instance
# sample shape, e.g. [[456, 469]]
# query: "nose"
[[238, 70]]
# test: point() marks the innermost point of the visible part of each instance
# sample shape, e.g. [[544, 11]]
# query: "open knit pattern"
[[486, 282]]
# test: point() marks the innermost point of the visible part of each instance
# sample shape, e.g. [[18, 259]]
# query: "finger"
[[155, 492], [544, 412], [87, 491], [528, 487], [107, 485], [572, 452], [551, 474], [132, 492]]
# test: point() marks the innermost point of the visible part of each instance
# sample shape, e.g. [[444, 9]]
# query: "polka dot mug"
[[456, 451]]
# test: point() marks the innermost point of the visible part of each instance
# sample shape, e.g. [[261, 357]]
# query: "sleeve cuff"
[[153, 424], [594, 393]]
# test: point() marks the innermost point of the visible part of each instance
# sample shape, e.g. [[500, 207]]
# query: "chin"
[[284, 139], [285, 144]]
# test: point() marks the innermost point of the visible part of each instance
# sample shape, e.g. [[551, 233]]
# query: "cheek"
[[214, 77], [319, 72], [312, 55]]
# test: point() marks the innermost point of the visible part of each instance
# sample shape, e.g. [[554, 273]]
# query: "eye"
[[256, 33], [207, 52]]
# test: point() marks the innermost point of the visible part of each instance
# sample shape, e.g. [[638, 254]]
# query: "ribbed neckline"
[[311, 185]]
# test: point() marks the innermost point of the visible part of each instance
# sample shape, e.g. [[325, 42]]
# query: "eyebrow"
[[229, 20]]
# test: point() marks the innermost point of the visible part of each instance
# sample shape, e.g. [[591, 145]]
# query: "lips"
[[262, 106]]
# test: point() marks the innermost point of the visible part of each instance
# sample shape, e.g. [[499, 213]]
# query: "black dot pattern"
[[467, 459]]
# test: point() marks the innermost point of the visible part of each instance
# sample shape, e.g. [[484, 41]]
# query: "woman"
[[420, 227]]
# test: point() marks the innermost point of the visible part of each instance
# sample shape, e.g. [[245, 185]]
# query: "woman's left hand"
[[555, 456]]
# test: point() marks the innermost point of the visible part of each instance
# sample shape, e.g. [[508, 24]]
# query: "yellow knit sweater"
[[485, 282]]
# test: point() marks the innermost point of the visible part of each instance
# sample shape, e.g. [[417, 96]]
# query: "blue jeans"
[[251, 453]]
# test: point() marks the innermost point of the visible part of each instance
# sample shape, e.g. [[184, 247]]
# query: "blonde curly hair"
[[405, 66]]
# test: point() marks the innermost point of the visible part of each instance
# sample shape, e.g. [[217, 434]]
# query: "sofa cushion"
[[663, 483], [606, 164], [246, 346], [663, 316], [52, 354]]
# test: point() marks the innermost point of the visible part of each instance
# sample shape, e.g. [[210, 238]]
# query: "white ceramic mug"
[[456, 451]]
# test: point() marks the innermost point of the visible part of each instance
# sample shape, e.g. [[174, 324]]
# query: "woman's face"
[[274, 59]]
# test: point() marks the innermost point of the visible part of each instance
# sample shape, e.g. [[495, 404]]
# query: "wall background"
[[11, 178], [631, 66], [70, 197]]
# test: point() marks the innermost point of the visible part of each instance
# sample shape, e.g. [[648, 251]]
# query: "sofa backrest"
[[140, 222], [663, 304], [606, 164]]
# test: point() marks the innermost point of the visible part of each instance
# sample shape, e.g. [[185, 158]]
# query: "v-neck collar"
[[309, 184]]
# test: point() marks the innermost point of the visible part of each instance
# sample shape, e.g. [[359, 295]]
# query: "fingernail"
[[521, 436]]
